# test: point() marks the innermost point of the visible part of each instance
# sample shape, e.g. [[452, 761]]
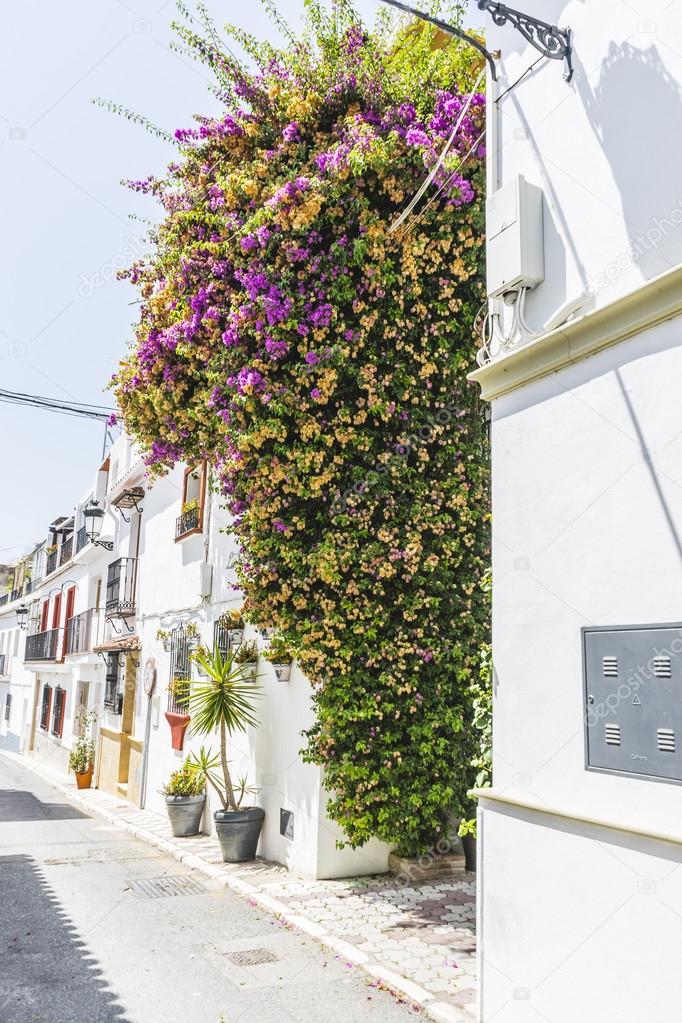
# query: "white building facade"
[[112, 623], [580, 901]]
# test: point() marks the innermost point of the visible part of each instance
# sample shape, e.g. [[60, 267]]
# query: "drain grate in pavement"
[[252, 957], [163, 887]]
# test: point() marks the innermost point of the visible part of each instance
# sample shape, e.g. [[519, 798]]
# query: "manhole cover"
[[163, 887], [252, 957]]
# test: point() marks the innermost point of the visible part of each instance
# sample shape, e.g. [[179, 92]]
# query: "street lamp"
[[93, 516], [22, 616]]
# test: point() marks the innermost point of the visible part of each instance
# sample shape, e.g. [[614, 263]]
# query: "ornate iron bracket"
[[451, 30], [550, 41]]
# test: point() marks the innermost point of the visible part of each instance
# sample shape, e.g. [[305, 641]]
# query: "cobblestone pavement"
[[417, 939]]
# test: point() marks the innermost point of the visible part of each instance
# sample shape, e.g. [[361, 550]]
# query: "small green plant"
[[162, 635], [232, 619], [186, 781], [179, 688], [225, 701], [278, 652], [247, 653], [51, 549], [190, 506], [192, 630], [82, 755], [200, 653]]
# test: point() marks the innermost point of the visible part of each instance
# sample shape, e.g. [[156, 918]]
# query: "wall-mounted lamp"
[[93, 517], [22, 616]]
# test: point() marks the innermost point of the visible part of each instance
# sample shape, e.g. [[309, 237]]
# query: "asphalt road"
[[93, 931]]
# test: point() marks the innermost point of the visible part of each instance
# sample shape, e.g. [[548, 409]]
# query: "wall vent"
[[663, 667], [612, 735], [286, 823], [609, 666], [666, 740]]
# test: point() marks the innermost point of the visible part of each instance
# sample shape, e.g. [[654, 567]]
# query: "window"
[[43, 616], [112, 700], [45, 708], [8, 706], [191, 517], [58, 711]]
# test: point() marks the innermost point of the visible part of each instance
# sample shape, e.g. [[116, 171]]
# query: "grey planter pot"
[[282, 672], [235, 636], [238, 832], [249, 669], [469, 846], [184, 813]]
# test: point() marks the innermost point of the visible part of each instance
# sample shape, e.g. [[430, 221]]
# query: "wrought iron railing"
[[220, 637], [15, 594], [51, 562], [66, 549], [113, 699], [28, 586], [8, 707], [4, 598], [79, 632], [43, 646], [58, 708], [3, 660], [121, 584], [186, 522], [180, 672], [81, 539]]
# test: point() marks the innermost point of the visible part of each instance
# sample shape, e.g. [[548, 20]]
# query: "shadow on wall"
[[635, 110], [18, 805], [47, 972]]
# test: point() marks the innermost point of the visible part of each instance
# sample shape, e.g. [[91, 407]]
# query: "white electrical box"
[[515, 250]]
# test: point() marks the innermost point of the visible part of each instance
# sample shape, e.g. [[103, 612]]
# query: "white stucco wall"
[[577, 920]]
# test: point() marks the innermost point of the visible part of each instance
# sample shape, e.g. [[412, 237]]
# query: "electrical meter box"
[[633, 700], [515, 248]]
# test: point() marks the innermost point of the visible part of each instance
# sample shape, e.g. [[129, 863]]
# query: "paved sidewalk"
[[417, 940]]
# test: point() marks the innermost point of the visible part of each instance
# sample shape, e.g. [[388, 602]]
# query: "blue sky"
[[65, 320]]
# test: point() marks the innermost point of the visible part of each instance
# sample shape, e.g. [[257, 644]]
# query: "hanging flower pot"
[[280, 657], [283, 672], [235, 636], [178, 726]]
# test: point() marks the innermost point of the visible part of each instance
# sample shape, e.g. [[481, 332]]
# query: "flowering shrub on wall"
[[318, 361]]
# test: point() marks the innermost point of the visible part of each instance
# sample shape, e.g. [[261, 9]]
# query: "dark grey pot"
[[469, 846], [184, 813], [238, 832]]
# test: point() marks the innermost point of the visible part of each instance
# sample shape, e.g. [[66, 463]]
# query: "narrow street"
[[97, 927]]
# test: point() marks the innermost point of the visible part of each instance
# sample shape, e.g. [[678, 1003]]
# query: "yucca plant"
[[224, 700]]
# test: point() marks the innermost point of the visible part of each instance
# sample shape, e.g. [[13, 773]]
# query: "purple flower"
[[316, 393], [292, 132], [312, 358], [112, 420], [417, 137]]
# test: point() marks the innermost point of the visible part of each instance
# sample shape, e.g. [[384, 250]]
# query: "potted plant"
[[198, 658], [226, 701], [163, 637], [192, 633], [185, 793], [234, 623], [82, 755], [246, 656], [190, 506], [280, 657], [178, 717]]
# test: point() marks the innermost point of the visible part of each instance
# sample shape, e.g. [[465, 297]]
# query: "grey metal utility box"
[[633, 700]]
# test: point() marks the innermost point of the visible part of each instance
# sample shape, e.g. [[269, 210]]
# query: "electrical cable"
[[434, 170], [73, 408]]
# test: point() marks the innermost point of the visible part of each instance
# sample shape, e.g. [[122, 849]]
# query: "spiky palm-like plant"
[[224, 700]]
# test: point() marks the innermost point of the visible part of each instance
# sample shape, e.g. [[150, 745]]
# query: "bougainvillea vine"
[[318, 361]]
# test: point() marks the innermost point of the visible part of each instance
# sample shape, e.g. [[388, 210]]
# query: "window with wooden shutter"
[[45, 708], [58, 711]]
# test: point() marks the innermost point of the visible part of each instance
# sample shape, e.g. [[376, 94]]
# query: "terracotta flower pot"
[[84, 778], [178, 726]]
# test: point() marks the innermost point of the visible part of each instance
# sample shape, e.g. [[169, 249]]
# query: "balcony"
[[14, 595], [43, 646], [80, 632], [121, 584], [4, 599], [66, 549], [81, 539], [51, 561], [188, 522]]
